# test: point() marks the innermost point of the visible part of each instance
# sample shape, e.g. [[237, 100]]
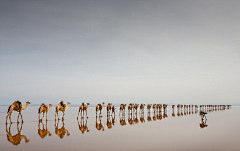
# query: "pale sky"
[[120, 51]]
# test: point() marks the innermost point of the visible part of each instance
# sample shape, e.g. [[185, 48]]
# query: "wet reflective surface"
[[172, 129]]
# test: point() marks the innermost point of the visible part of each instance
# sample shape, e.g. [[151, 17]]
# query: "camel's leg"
[[39, 116], [63, 116], [21, 116], [86, 114], [46, 115], [18, 117], [9, 116]]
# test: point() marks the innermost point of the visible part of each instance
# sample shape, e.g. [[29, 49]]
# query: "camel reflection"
[[173, 113], [142, 118], [149, 117], [154, 116], [99, 125], [135, 119], [159, 115], [130, 119], [83, 126], [203, 122], [62, 131], [122, 120], [165, 114], [43, 132], [17, 138], [110, 122]]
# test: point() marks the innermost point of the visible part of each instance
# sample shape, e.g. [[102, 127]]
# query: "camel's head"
[[28, 102], [68, 103], [103, 103], [50, 105], [88, 103]]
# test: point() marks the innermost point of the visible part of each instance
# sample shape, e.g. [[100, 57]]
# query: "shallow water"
[[180, 132]]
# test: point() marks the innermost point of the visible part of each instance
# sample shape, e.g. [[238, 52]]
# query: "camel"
[[83, 108], [16, 139], [130, 108], [159, 107], [149, 107], [99, 126], [42, 109], [99, 108], [62, 131], [109, 108], [122, 108], [16, 106], [135, 107], [142, 108], [43, 132], [113, 110], [154, 107], [83, 127], [165, 107], [61, 107]]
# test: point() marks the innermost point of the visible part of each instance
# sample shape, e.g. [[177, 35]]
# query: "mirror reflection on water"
[[173, 128]]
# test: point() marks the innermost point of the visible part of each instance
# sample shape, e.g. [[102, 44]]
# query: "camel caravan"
[[111, 110]]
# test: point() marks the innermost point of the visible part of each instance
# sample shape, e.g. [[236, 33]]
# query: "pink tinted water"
[[171, 133]]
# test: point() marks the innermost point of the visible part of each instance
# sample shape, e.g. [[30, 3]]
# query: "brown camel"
[[42, 109], [159, 107], [142, 108], [149, 107], [165, 107], [135, 107], [109, 108], [16, 139], [130, 108], [154, 107], [99, 108], [113, 110], [83, 108], [83, 126], [122, 108], [16, 106], [62, 131], [43, 132], [61, 107]]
